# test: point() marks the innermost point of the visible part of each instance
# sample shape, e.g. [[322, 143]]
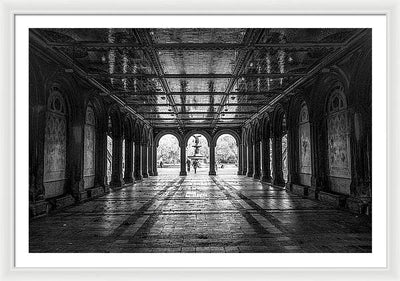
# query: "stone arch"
[[137, 132], [145, 135], [338, 142], [56, 141], [231, 132], [266, 127], [279, 125], [200, 132], [167, 132], [114, 126], [128, 127], [278, 115]]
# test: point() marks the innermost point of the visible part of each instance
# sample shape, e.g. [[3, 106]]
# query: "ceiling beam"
[[98, 46], [69, 63], [259, 103], [325, 62], [195, 118], [251, 37], [272, 92], [194, 76], [152, 56], [196, 112]]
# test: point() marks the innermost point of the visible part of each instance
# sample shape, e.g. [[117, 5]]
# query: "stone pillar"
[[144, 160], [212, 171], [314, 137], [292, 159], [266, 169], [244, 159], [128, 177], [240, 160], [155, 173], [256, 160], [150, 160], [183, 161], [250, 160], [277, 161], [116, 175], [138, 170], [101, 159]]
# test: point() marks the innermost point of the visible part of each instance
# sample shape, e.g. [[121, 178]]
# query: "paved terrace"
[[201, 213]]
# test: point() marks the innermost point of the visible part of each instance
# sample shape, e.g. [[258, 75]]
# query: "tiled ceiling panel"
[[198, 35], [197, 62], [197, 84], [195, 76]]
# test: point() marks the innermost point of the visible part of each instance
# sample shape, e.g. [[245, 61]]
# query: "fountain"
[[196, 155]]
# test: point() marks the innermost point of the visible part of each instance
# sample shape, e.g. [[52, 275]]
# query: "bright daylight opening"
[[226, 155], [168, 155]]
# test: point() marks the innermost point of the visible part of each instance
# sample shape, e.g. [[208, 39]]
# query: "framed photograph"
[[153, 141]]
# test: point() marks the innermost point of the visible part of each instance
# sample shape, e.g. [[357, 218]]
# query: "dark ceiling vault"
[[196, 77]]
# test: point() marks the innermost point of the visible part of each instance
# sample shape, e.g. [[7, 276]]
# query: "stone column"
[[116, 175], [256, 160], [128, 178], [250, 170], [183, 161], [212, 171], [266, 169], [244, 160], [292, 159], [277, 161], [144, 160], [155, 173], [240, 160], [138, 170], [150, 160]]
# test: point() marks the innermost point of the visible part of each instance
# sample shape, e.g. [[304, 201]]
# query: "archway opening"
[[197, 155], [226, 155], [284, 150], [168, 155], [109, 157]]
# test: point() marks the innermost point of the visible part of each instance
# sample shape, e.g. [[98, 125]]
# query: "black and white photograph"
[[200, 140]]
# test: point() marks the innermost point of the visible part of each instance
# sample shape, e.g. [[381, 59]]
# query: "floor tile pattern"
[[201, 213]]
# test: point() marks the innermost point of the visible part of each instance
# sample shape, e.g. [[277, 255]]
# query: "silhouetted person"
[[195, 165], [161, 164], [188, 165]]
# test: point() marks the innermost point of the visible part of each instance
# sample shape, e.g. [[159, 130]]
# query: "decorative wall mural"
[[338, 137], [305, 148], [304, 141], [89, 148], [109, 158], [55, 146]]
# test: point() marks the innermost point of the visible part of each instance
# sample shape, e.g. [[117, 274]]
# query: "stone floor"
[[201, 213]]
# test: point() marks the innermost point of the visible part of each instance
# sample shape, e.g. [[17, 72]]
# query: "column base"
[[145, 175], [250, 174], [244, 173], [155, 173], [128, 180], [183, 173], [266, 178], [95, 191], [38, 209], [239, 173], [82, 196], [151, 174], [212, 173], [138, 178], [116, 184], [256, 176]]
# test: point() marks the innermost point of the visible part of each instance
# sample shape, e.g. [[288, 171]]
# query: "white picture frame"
[[9, 9]]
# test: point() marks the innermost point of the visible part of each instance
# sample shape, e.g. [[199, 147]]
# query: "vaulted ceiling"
[[196, 77]]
